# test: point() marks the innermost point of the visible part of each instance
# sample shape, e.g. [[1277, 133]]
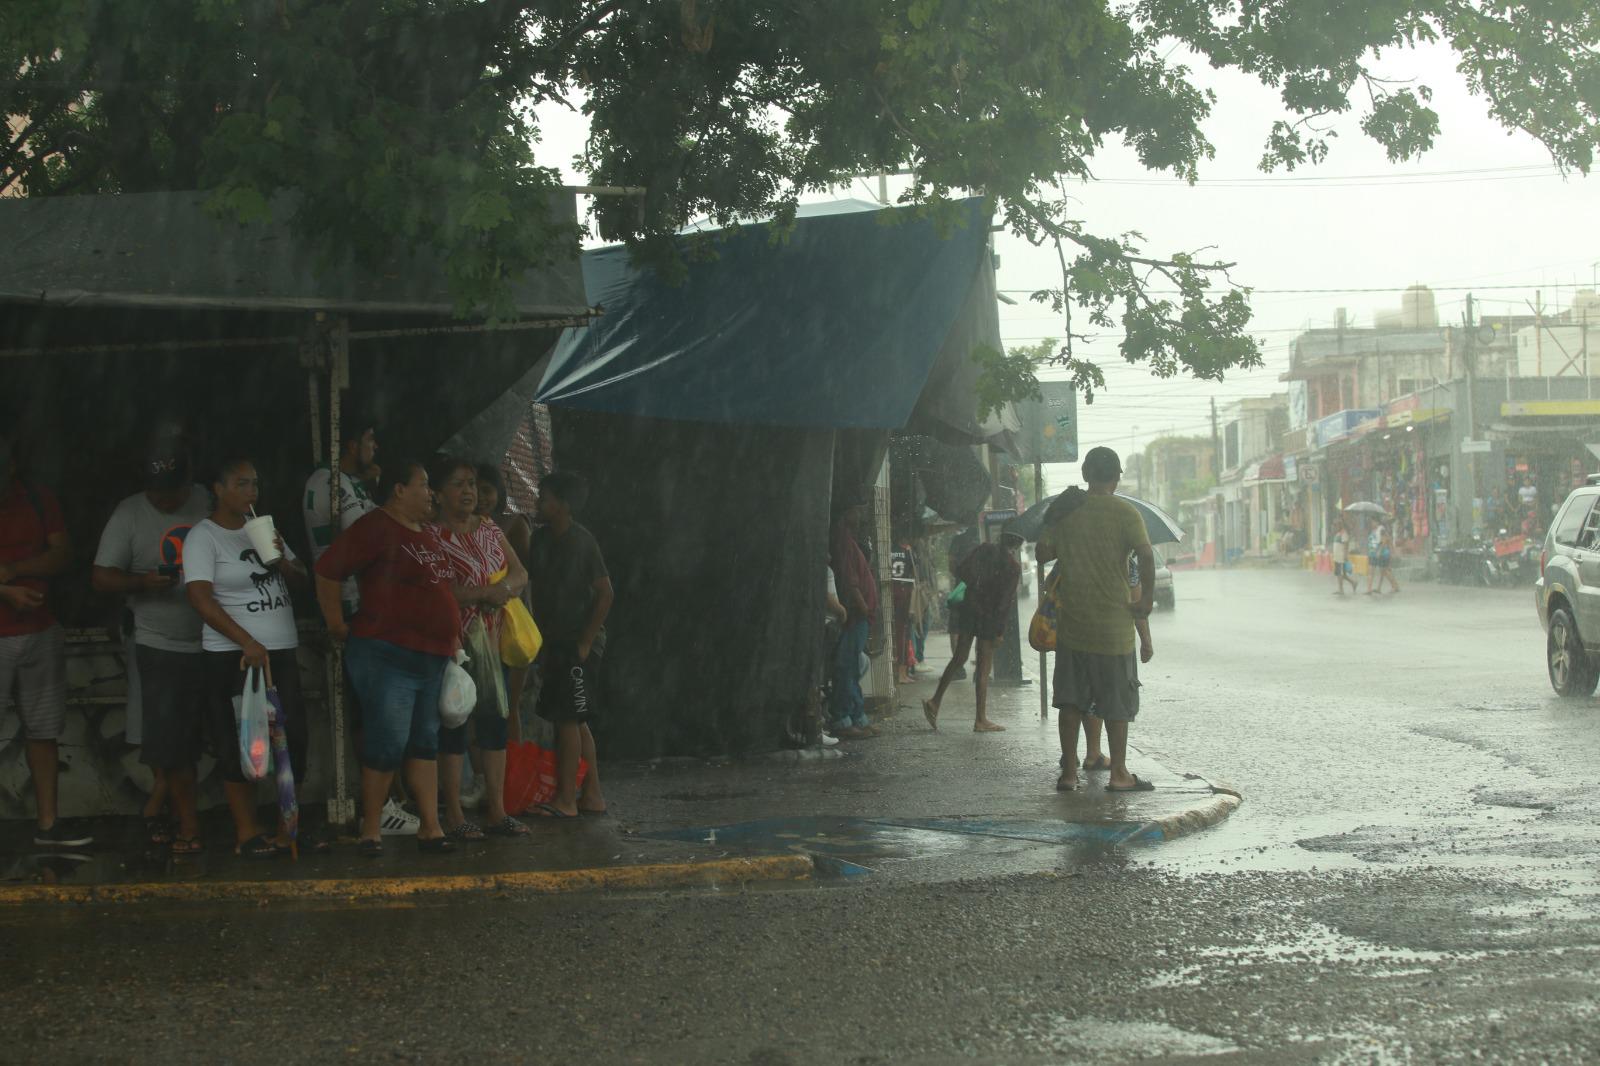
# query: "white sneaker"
[[472, 790], [397, 821], [828, 740]]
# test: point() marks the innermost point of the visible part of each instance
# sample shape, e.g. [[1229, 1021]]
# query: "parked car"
[[1567, 593], [1165, 598]]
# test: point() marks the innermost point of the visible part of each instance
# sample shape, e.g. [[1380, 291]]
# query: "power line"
[[1421, 177], [1325, 292]]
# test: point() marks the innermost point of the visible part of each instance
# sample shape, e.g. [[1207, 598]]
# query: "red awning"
[[1271, 469]]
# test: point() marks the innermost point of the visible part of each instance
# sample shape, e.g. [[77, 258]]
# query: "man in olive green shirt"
[[1097, 664]]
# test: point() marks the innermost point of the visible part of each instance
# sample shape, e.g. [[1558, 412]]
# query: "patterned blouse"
[[475, 557]]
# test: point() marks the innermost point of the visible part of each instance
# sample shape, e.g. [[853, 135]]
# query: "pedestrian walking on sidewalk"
[[570, 590], [991, 572], [1341, 558], [1380, 560], [858, 591], [1097, 661]]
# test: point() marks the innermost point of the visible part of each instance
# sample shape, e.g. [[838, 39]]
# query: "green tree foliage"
[[408, 122]]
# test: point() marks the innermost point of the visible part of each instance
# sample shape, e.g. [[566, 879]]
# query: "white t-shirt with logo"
[[253, 594]]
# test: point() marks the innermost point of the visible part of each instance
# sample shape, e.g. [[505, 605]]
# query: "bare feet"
[[1097, 762], [983, 725], [930, 711]]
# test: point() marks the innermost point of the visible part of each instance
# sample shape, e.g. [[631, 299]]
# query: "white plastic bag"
[[457, 695], [250, 710]]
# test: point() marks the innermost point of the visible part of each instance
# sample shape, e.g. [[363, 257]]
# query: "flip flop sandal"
[[1074, 787], [257, 847], [509, 827], [159, 831], [1139, 785], [370, 849], [187, 845], [436, 846], [468, 832], [550, 810]]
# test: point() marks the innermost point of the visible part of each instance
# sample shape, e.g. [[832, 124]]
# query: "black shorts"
[[971, 620], [568, 689], [224, 681], [172, 690]]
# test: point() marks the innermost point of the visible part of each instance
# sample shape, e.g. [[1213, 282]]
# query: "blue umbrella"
[[288, 803]]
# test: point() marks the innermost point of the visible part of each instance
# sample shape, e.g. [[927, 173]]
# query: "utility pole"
[[1216, 443], [1470, 363]]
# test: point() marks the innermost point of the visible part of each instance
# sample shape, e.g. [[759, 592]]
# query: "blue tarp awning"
[[839, 326]]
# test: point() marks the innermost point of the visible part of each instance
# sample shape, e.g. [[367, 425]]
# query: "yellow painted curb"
[[1197, 818], [358, 889]]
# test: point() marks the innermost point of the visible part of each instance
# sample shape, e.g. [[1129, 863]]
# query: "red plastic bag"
[[531, 776]]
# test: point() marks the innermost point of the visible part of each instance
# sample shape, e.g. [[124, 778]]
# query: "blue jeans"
[[399, 693], [849, 706]]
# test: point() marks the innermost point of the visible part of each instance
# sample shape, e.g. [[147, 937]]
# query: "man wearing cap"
[[1097, 664], [33, 648], [141, 557]]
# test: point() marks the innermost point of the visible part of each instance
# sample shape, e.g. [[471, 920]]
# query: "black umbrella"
[[1161, 527]]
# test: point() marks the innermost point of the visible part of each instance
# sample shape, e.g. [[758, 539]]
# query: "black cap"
[[1101, 465]]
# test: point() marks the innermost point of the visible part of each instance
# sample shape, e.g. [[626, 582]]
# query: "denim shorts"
[[399, 693]]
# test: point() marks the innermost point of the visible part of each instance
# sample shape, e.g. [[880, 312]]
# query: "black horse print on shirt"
[[269, 584]]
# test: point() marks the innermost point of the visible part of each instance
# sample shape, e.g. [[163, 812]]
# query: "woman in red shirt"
[[396, 646]]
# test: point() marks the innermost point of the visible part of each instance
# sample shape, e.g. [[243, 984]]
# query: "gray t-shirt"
[[140, 539]]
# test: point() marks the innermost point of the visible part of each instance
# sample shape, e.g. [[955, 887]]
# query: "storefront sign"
[[1550, 408], [1291, 469], [1475, 447], [1049, 432]]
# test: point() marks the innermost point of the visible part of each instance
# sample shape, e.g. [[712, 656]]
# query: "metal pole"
[[1038, 583], [341, 806]]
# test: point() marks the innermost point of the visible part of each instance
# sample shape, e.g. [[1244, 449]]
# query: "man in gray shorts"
[[1097, 664], [33, 666]]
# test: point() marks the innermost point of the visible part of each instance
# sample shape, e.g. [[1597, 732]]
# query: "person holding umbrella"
[[1097, 661]]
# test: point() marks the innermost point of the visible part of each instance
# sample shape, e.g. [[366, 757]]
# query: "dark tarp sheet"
[[164, 250], [716, 538], [838, 327]]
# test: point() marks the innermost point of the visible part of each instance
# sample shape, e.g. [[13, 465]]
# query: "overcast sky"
[[1485, 212]]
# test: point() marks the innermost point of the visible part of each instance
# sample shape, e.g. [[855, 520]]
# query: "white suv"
[[1567, 594]]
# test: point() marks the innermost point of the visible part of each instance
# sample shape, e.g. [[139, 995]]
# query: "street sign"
[[1475, 447], [1049, 432]]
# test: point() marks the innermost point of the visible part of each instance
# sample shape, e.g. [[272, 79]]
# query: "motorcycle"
[[1503, 561]]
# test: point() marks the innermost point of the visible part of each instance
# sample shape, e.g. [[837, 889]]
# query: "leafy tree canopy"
[[410, 122]]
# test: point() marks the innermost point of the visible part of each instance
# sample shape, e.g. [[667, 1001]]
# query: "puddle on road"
[[1318, 944], [1065, 1035]]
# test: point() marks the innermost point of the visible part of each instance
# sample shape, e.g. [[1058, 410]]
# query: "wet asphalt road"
[[1413, 878]]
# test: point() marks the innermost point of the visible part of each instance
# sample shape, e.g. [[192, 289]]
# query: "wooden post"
[[1038, 584], [341, 805]]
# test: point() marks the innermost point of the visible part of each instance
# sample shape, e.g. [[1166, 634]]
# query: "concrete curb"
[[1195, 819], [358, 890]]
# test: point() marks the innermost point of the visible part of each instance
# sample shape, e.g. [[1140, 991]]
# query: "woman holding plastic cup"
[[396, 646], [478, 552], [234, 564]]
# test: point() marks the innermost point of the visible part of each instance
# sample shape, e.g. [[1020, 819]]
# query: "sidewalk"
[[910, 803]]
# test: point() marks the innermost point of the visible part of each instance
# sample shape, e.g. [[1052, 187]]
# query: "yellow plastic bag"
[[1042, 628], [520, 639]]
